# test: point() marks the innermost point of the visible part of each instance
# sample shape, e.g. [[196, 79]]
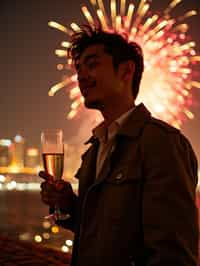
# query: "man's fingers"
[[55, 193], [62, 185], [46, 176], [46, 185]]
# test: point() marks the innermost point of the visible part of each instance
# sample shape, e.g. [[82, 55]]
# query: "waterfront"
[[22, 215], [22, 218]]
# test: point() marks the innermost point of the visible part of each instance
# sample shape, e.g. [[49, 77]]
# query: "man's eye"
[[92, 64]]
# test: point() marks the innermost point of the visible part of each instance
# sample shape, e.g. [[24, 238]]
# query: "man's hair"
[[114, 44]]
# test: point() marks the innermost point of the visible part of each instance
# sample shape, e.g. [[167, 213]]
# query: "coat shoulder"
[[155, 123], [158, 134]]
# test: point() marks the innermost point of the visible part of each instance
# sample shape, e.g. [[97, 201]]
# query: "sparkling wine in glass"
[[53, 164], [53, 160]]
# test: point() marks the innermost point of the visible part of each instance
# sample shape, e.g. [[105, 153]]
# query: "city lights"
[[38, 238], [5, 142], [17, 162], [46, 235], [65, 248], [24, 236], [2, 178], [69, 242], [32, 152], [18, 139], [11, 185], [46, 224], [55, 229]]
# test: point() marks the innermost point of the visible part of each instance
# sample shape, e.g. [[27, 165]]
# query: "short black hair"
[[114, 44]]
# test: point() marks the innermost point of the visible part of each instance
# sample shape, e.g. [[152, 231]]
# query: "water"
[[22, 217]]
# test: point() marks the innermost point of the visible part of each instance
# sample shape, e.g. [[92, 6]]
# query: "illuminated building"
[[5, 156], [18, 151], [32, 158]]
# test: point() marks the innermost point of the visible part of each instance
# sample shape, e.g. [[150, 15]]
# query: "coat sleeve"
[[170, 223]]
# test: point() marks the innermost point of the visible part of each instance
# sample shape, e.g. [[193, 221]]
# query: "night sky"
[[28, 67]]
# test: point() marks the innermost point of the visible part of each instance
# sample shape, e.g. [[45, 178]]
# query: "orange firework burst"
[[168, 53]]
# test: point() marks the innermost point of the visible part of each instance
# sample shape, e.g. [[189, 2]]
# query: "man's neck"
[[111, 113]]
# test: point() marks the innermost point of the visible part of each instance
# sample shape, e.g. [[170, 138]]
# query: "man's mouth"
[[86, 88], [84, 92]]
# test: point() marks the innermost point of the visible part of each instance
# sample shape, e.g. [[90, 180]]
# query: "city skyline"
[[28, 69]]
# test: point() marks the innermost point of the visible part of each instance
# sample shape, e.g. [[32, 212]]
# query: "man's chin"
[[93, 104]]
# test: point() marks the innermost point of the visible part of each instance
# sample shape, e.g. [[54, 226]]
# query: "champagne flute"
[[53, 160]]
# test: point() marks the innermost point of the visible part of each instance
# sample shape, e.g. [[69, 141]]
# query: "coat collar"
[[133, 124]]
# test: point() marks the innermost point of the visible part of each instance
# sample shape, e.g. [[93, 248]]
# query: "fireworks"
[[169, 56]]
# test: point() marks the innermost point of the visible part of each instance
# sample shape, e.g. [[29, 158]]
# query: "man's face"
[[98, 81]]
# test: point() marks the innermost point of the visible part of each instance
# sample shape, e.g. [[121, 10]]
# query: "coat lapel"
[[131, 129], [105, 169], [86, 174]]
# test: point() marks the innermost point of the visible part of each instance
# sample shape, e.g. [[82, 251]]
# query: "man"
[[136, 200]]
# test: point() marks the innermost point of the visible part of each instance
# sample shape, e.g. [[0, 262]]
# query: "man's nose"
[[83, 75], [81, 78]]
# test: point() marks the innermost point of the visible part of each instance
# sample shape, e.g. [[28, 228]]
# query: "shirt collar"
[[104, 133]]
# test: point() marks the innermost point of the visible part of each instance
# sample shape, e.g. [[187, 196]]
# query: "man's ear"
[[127, 70]]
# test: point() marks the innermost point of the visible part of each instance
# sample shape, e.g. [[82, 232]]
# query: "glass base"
[[57, 215]]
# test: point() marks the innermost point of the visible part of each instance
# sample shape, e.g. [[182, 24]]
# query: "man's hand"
[[57, 193]]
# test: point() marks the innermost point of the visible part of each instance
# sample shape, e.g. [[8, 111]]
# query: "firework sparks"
[[168, 54]]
